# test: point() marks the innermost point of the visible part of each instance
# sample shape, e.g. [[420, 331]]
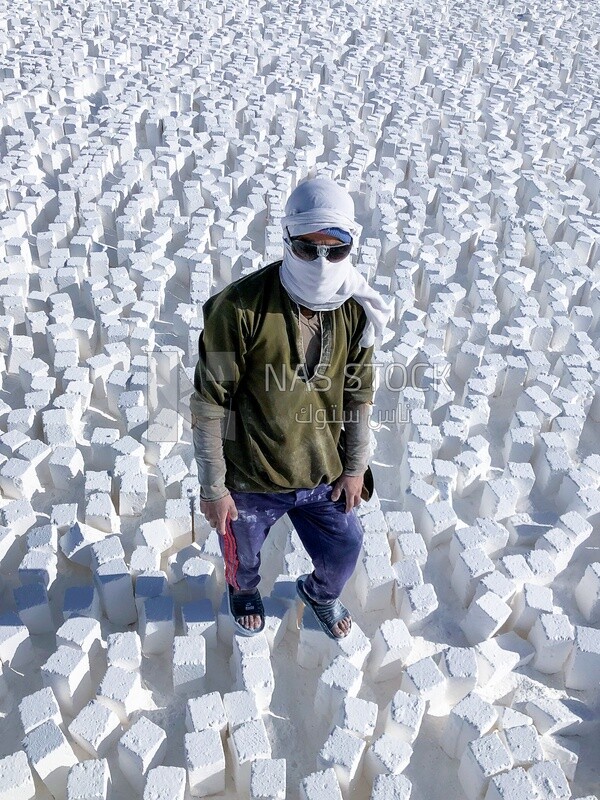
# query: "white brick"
[[343, 751], [523, 743], [178, 558], [144, 559], [582, 669], [200, 578], [267, 779], [121, 690], [76, 543], [391, 787], [189, 664], [485, 616], [132, 493], [551, 716], [67, 673], [157, 625], [528, 605], [577, 527], [509, 718], [102, 454], [563, 750], [19, 479], [165, 783], [356, 647], [101, 513], [320, 786], [542, 566], [559, 546], [245, 647], [499, 498], [240, 707], [16, 780], [89, 780], [205, 712], [552, 636], [51, 756], [358, 716], [313, 646], [65, 464], [407, 574], [15, 644], [178, 519], [385, 755], [140, 749], [403, 716], [470, 719], [43, 537], [459, 666], [550, 780], [498, 583], [115, 587], [33, 608], [587, 593], [39, 707], [513, 785], [199, 619], [391, 647], [124, 650], [83, 634], [96, 728], [276, 621], [424, 678], [410, 545], [247, 743], [481, 759], [437, 523], [418, 603], [256, 676], [38, 566], [488, 534], [170, 473], [108, 549], [399, 523], [149, 585], [374, 582], [154, 534], [17, 515], [499, 656], [205, 762], [338, 680], [471, 565]]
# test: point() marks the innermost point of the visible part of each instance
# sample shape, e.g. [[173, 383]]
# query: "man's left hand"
[[352, 486]]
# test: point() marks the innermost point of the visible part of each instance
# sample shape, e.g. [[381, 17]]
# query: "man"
[[284, 358]]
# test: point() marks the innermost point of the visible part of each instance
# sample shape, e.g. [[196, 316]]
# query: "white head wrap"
[[322, 285]]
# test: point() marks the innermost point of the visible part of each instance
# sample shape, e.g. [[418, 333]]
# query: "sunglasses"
[[309, 251]]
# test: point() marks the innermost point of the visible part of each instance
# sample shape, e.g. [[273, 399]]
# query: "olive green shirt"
[[280, 428]]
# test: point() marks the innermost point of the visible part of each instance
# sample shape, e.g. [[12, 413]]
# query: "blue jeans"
[[331, 536]]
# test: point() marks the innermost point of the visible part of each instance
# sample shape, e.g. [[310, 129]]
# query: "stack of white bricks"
[[477, 583]]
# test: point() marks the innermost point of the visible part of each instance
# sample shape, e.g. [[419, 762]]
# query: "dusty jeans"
[[331, 536]]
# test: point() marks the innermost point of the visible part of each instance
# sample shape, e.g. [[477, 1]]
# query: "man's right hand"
[[216, 512]]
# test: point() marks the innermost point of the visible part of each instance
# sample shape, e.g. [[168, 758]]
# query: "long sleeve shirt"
[[207, 431], [261, 421]]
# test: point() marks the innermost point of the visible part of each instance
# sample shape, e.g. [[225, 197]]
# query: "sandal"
[[327, 613], [243, 605]]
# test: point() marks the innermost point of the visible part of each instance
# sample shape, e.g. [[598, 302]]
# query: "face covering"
[[322, 285], [314, 284]]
